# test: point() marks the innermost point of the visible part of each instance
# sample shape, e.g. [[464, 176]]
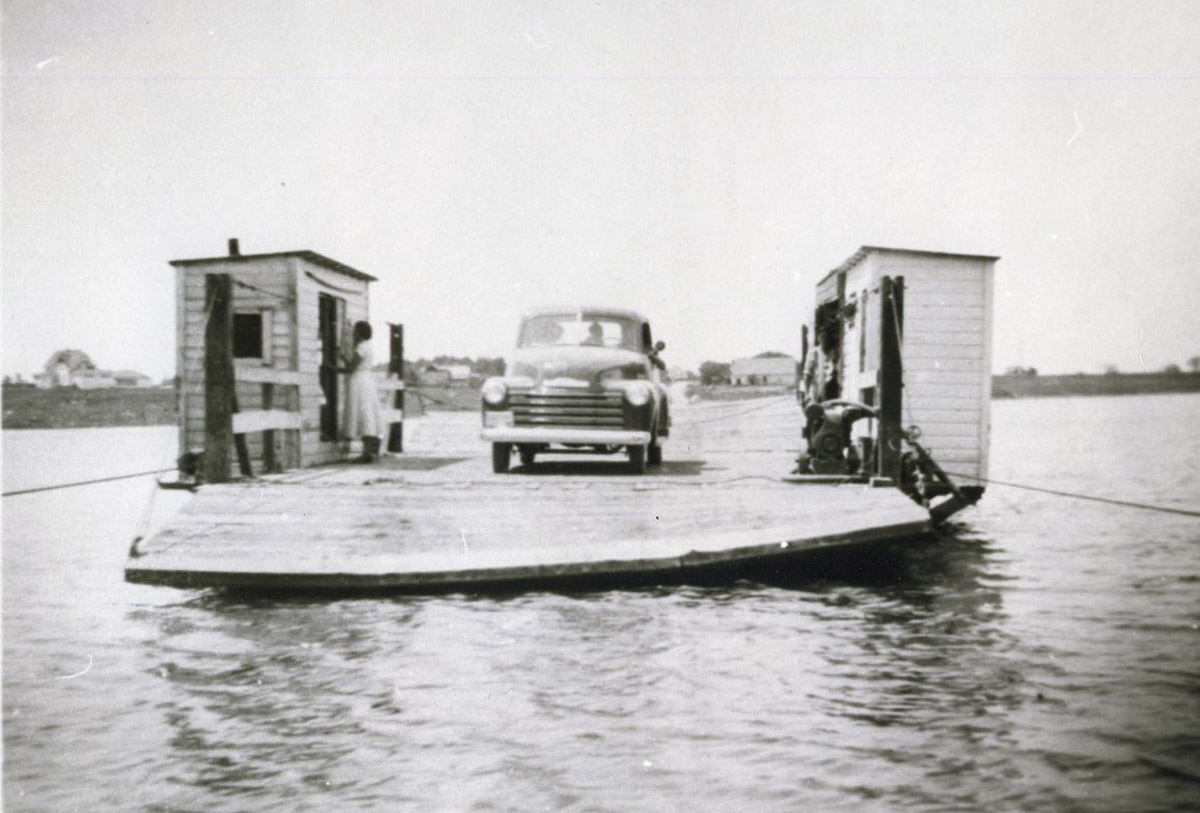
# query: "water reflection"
[[263, 694]]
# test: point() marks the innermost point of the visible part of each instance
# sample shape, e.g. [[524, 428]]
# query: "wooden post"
[[218, 377], [268, 403], [293, 439], [891, 377], [396, 368], [239, 440], [803, 357]]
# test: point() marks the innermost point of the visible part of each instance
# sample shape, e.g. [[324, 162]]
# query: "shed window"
[[251, 335]]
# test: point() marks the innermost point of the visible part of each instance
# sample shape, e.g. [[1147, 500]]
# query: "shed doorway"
[[331, 309]]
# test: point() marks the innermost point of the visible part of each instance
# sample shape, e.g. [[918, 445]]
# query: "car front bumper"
[[586, 437]]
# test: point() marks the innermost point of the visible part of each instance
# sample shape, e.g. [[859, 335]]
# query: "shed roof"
[[862, 252], [311, 256]]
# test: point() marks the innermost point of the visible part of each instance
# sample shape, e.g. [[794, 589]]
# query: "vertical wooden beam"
[[803, 358], [293, 443], [218, 377], [396, 368], [841, 336], [239, 441], [268, 403], [890, 396], [183, 377]]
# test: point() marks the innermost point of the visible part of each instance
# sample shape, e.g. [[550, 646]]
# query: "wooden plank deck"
[[437, 517]]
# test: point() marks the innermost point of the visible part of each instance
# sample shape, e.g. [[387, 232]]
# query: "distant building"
[[433, 377], [131, 378], [73, 368], [460, 374], [774, 371]]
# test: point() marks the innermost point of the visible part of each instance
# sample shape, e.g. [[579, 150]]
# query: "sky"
[[704, 162]]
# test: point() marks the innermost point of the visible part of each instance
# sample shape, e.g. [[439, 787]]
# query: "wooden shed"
[[943, 312], [289, 326]]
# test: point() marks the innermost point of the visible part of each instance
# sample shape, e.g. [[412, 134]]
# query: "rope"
[[329, 285], [1107, 500], [143, 526], [84, 482], [263, 291]]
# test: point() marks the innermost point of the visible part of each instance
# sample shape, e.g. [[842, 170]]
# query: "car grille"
[[584, 408]]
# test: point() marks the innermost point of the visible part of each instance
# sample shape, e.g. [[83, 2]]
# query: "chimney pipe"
[[234, 251]]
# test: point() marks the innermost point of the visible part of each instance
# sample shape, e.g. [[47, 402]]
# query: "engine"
[[827, 430]]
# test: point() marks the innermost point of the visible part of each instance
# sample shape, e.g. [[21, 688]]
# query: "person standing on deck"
[[819, 380], [363, 416], [818, 383]]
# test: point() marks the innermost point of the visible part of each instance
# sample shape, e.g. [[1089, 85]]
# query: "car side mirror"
[[659, 347]]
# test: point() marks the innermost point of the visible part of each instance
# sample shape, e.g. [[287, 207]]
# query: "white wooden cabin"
[[946, 345], [293, 313]]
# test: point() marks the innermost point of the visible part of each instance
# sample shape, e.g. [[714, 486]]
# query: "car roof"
[[598, 310]]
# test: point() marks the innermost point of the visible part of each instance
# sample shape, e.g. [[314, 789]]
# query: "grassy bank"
[[31, 408], [419, 400], [1041, 386], [66, 408], [726, 392]]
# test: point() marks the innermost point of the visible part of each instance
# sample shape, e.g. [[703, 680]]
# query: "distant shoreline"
[[1046, 386], [27, 407]]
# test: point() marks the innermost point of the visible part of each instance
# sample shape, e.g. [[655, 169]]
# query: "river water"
[[1043, 655]]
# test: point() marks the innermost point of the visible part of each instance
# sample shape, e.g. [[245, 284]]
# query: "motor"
[[827, 430]]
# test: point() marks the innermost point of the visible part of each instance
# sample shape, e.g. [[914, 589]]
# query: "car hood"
[[579, 363]]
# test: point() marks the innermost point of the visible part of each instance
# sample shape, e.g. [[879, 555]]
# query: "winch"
[[830, 447]]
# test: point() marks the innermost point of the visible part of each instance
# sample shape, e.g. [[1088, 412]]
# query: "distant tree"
[[1172, 369], [485, 367], [8, 379], [714, 372], [1111, 369], [772, 354], [1194, 364], [1030, 371]]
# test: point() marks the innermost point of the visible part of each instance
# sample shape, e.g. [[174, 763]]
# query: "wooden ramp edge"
[[612, 563]]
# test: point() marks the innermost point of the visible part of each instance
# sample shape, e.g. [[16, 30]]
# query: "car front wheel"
[[501, 456], [654, 453], [637, 459]]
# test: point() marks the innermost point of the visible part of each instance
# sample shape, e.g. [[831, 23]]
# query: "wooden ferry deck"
[[436, 518]]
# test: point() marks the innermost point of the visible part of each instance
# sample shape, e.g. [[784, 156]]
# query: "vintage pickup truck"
[[580, 380]]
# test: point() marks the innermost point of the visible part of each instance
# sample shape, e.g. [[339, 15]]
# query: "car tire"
[[637, 459], [528, 455], [501, 456], [654, 453]]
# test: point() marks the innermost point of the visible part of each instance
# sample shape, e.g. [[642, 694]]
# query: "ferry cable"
[[1110, 501], [143, 526], [84, 482], [1145, 506]]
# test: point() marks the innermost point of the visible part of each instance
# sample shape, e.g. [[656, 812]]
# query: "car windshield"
[[579, 330]]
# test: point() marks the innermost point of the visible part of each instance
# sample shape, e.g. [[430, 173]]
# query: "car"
[[580, 380]]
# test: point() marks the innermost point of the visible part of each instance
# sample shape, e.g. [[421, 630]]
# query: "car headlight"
[[637, 394], [494, 392]]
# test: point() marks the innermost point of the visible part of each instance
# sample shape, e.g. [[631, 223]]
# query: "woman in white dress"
[[363, 418]]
